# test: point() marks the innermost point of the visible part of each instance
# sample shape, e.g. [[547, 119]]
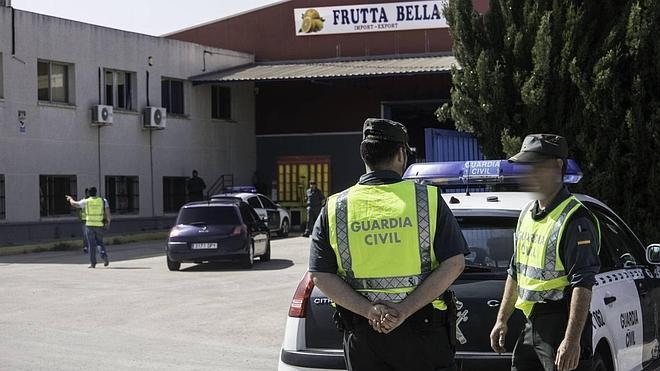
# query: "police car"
[[484, 197], [277, 217]]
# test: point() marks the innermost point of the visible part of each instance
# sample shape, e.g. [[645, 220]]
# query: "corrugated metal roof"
[[330, 69]]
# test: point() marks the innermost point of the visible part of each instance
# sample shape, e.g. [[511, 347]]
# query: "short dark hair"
[[92, 191], [378, 152]]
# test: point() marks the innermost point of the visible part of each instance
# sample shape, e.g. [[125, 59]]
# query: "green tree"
[[587, 70]]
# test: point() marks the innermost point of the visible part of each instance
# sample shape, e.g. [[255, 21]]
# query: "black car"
[[218, 230]]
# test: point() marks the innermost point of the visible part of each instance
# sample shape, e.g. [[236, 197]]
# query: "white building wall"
[[59, 139]]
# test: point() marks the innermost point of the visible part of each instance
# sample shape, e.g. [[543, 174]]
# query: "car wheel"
[[266, 256], [600, 363], [172, 265], [248, 260], [284, 231]]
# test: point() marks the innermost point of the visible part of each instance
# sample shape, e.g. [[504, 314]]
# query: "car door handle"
[[609, 300]]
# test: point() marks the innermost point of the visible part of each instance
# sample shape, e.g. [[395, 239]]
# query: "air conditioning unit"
[[155, 118], [101, 115]]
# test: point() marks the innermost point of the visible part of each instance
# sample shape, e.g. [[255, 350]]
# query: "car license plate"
[[204, 246]]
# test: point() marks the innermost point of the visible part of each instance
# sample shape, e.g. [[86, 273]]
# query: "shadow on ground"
[[272, 265], [116, 253]]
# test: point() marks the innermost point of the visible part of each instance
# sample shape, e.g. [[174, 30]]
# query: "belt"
[[550, 307]]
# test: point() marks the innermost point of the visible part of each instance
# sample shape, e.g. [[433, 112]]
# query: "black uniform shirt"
[[578, 247], [314, 198], [448, 241]]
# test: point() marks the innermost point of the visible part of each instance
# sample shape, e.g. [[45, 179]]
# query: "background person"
[[98, 217], [314, 200], [196, 187]]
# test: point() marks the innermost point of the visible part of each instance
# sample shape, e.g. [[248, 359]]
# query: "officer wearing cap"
[[553, 267], [385, 251]]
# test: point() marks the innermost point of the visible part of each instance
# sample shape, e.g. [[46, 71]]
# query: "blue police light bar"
[[460, 173], [241, 189]]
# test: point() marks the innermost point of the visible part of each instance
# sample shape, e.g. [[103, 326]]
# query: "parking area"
[[135, 314]]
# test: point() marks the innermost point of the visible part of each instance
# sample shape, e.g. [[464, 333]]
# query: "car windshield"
[[214, 215], [490, 240]]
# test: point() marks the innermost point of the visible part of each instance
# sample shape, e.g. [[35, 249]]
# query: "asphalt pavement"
[[56, 314]]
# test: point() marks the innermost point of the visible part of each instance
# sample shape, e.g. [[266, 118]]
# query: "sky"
[[151, 17]]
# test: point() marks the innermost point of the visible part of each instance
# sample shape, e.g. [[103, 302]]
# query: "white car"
[[625, 306], [277, 217]]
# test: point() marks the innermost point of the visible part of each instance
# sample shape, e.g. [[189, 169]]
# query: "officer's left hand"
[[568, 355], [390, 321], [378, 313]]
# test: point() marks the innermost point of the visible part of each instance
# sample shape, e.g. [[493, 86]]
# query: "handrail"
[[223, 181]]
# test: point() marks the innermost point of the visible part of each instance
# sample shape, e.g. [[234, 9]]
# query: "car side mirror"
[[653, 253]]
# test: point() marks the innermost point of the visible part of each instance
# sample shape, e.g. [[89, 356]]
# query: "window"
[[490, 240], [52, 192], [268, 204], [123, 194], [294, 173], [53, 82], [619, 248], [221, 102], [247, 214], [172, 96], [174, 193], [119, 89], [254, 202], [212, 215], [2, 197]]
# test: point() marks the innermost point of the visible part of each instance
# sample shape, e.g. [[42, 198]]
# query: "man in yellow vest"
[[553, 267], [97, 217], [385, 251]]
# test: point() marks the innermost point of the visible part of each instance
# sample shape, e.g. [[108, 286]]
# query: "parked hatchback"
[[218, 230]]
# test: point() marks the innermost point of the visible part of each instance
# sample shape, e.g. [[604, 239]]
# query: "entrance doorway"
[[416, 116]]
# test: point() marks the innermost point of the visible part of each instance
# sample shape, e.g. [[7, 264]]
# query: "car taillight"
[[301, 297], [239, 229]]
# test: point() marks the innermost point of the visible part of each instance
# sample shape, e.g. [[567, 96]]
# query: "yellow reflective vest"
[[94, 210], [383, 236], [540, 273]]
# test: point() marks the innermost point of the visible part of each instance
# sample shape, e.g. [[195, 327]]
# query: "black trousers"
[[544, 331], [420, 343], [312, 214]]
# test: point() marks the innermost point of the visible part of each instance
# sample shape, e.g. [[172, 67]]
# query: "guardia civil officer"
[[98, 217], [552, 269], [385, 250]]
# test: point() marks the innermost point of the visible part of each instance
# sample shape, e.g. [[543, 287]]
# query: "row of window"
[[122, 193], [55, 85]]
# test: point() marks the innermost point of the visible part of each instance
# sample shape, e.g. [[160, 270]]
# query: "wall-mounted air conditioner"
[[101, 115], [155, 118]]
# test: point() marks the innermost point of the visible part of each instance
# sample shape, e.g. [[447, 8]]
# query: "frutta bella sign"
[[412, 15]]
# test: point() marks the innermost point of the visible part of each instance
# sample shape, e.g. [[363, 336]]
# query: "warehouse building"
[[321, 67]]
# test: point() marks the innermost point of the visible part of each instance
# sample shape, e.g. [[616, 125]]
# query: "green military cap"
[[385, 130], [541, 147]]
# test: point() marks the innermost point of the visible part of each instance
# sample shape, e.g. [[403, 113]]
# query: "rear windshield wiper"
[[471, 268], [197, 224]]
